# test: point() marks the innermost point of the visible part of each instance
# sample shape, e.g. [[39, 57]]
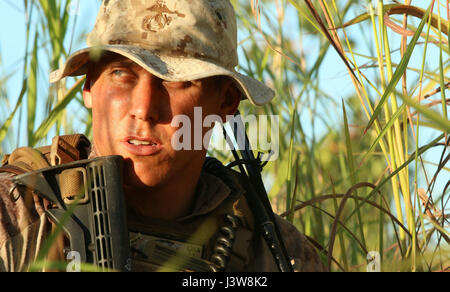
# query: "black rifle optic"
[[256, 195]]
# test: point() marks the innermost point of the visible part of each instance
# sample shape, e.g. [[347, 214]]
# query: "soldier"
[[147, 63]]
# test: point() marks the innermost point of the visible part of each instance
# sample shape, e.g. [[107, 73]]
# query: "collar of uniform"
[[210, 193]]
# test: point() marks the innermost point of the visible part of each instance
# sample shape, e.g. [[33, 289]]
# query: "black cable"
[[258, 199]]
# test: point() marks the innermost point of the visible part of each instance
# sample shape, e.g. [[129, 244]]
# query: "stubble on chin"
[[138, 175]]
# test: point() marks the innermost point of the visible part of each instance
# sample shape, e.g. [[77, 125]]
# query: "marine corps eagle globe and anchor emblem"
[[160, 17]]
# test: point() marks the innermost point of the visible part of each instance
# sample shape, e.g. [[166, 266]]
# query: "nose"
[[146, 98]]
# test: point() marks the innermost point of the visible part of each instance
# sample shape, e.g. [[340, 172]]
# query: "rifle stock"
[[94, 221]]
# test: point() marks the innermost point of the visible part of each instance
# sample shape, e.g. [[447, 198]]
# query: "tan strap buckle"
[[62, 152]]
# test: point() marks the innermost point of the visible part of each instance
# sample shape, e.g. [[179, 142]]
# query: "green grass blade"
[[400, 70], [441, 66], [305, 15], [364, 17], [421, 151], [440, 123], [383, 132], [353, 176], [57, 111], [341, 237], [32, 92], [4, 129], [289, 196]]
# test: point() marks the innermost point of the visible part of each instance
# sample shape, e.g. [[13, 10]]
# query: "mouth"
[[142, 143], [142, 146]]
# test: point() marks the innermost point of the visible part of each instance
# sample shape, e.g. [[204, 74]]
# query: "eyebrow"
[[125, 63]]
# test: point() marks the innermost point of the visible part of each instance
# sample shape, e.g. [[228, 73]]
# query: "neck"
[[168, 201]]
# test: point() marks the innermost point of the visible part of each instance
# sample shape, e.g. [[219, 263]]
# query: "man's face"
[[132, 115]]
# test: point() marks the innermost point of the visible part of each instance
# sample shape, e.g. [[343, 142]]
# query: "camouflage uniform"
[[24, 228]]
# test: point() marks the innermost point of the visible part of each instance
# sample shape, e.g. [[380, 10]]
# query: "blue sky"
[[12, 48], [12, 21]]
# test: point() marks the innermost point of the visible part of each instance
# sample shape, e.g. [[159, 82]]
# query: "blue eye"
[[118, 73], [122, 75]]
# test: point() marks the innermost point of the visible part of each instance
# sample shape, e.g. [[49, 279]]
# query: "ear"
[[87, 95], [231, 99]]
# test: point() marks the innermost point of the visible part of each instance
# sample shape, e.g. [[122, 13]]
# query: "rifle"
[[93, 219], [256, 194]]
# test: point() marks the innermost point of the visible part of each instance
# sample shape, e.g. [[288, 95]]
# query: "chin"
[[133, 180], [138, 176]]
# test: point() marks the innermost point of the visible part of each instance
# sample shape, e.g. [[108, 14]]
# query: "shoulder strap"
[[232, 245], [238, 185], [64, 149]]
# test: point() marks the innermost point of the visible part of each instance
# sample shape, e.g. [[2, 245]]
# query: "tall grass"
[[41, 108], [363, 160], [374, 189]]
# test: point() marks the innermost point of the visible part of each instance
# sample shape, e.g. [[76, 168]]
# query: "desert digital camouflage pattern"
[[24, 228], [176, 40]]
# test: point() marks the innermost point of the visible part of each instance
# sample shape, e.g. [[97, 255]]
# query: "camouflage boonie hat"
[[175, 40]]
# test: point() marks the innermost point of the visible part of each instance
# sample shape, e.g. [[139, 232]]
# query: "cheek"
[[108, 105], [185, 104], [107, 112], [188, 124], [210, 102]]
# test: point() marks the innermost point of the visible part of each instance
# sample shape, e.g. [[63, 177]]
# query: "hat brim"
[[168, 68]]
